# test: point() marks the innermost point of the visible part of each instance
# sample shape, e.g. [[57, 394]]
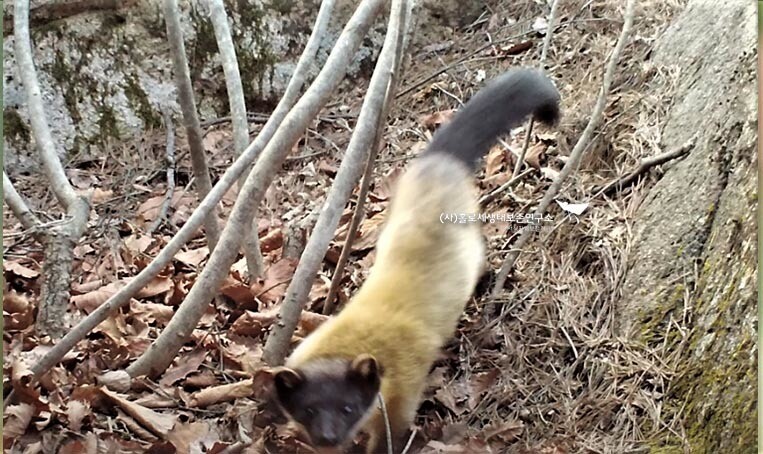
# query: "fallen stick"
[[644, 166]]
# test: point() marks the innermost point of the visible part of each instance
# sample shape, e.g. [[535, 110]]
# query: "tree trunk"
[[694, 258]]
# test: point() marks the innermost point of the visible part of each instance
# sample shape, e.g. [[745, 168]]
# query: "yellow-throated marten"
[[388, 336]]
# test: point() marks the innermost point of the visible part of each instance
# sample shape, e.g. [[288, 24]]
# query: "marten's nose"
[[327, 439]]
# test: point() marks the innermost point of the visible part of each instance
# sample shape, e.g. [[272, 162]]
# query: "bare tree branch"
[[239, 122], [190, 116], [352, 231], [56, 270], [551, 25], [169, 158], [160, 354], [59, 242], [28, 220], [577, 151], [349, 172], [122, 297], [543, 54], [46, 147]]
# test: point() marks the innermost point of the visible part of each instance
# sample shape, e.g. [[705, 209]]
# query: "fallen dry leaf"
[[244, 352], [183, 436], [158, 423], [194, 257], [507, 431], [514, 49], [17, 419], [90, 301], [101, 195], [138, 243], [88, 286], [151, 312], [237, 291], [434, 120], [184, 365], [76, 412], [157, 286], [369, 232], [87, 446], [15, 267], [550, 173], [223, 393], [480, 383], [310, 321], [276, 280], [534, 155], [149, 209], [494, 161], [18, 311], [272, 241], [118, 380]]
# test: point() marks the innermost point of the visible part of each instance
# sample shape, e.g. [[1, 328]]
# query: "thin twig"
[[387, 429], [543, 54], [188, 230], [190, 116], [525, 146], [169, 158], [644, 166], [161, 353], [28, 219], [576, 153], [349, 173], [410, 442], [463, 59], [219, 18], [489, 197], [352, 231]]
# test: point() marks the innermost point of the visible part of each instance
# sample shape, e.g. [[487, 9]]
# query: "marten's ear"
[[366, 368], [286, 380]]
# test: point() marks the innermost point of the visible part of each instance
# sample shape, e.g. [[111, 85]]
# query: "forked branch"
[[58, 241], [188, 230]]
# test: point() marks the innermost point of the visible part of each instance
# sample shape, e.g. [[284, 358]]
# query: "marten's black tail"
[[502, 105]]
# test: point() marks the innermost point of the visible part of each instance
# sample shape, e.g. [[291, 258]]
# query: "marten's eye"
[[348, 410], [310, 411]]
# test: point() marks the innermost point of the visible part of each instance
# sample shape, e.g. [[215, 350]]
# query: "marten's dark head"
[[329, 398]]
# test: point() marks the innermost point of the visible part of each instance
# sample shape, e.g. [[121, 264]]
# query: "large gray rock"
[[104, 75], [694, 255]]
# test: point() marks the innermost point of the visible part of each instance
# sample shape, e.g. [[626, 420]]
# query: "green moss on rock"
[[138, 100], [14, 126]]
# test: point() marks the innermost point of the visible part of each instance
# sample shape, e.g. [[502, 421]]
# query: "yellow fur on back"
[[409, 306]]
